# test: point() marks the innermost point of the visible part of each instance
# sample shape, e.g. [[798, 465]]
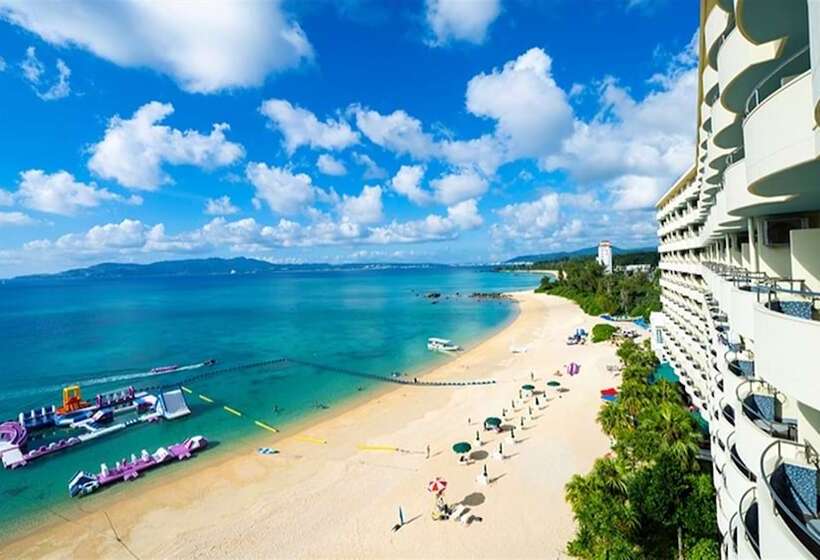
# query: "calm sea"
[[105, 335]]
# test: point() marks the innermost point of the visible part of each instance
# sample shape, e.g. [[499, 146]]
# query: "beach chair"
[[458, 512]]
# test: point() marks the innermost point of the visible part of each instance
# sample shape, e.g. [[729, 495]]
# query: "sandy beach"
[[339, 499]]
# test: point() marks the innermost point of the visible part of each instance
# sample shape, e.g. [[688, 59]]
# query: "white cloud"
[[371, 168], [6, 198], [484, 153], [457, 187], [465, 214], [3, 64], [329, 165], [407, 182], [283, 191], [528, 220], [460, 20], [635, 148], [133, 151], [531, 112], [33, 72], [60, 193], [221, 206], [31, 66], [16, 219], [205, 47], [300, 127], [363, 209], [397, 132]]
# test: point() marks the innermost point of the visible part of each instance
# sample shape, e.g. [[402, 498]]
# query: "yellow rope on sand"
[[366, 447], [311, 439]]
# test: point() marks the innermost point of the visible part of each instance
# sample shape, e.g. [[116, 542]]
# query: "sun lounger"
[[458, 512]]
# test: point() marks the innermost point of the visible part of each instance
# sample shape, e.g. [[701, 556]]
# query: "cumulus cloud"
[[366, 208], [60, 193], [205, 46], [329, 165], [397, 132], [283, 191], [407, 182], [16, 219], [34, 70], [528, 220], [134, 151], [532, 113], [221, 206], [465, 214], [456, 187], [371, 168], [635, 148], [300, 127], [460, 20]]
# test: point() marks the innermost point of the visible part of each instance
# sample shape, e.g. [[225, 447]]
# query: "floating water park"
[[83, 483], [51, 429]]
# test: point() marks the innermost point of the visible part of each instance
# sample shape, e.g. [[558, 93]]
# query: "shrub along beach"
[[651, 497]]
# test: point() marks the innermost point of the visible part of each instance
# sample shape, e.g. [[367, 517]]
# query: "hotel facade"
[[740, 272]]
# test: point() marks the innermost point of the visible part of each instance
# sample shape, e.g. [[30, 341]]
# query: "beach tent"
[[528, 387], [492, 423], [609, 391], [553, 383]]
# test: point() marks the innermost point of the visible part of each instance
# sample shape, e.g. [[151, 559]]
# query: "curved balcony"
[[761, 421], [792, 525], [787, 331], [713, 33], [738, 475], [742, 64], [782, 143], [727, 131], [742, 203], [730, 550], [763, 20], [711, 90], [749, 518]]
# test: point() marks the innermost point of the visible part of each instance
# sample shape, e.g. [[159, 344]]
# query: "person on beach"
[[428, 450]]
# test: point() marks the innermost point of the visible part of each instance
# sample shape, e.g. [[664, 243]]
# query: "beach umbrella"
[[553, 383], [528, 387], [492, 422], [437, 486], [462, 447]]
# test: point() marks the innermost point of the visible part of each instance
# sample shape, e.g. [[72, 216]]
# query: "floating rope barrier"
[[230, 410]]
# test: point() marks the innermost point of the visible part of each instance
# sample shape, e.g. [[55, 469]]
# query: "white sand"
[[335, 500]]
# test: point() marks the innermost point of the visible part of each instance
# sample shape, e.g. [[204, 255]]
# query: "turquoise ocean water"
[[105, 334]]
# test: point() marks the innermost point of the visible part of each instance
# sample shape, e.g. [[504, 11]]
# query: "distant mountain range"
[[577, 254], [201, 267]]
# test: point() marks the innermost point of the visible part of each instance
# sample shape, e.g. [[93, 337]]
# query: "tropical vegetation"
[[602, 332], [650, 497], [584, 281]]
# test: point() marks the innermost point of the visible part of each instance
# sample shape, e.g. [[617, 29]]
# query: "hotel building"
[[740, 272]]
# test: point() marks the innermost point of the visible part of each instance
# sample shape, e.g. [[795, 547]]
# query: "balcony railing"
[[747, 508], [741, 466], [762, 405], [791, 479], [796, 64]]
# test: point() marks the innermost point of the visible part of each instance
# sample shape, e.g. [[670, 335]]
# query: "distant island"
[[202, 267], [576, 254]]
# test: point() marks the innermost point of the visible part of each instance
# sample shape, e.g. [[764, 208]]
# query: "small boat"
[[83, 483], [442, 345], [165, 369]]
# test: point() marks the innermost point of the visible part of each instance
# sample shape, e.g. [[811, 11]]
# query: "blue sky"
[[438, 130]]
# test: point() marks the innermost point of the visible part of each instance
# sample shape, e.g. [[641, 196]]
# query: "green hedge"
[[602, 332]]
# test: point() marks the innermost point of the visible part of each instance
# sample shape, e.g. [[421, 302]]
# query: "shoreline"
[[220, 454], [148, 517]]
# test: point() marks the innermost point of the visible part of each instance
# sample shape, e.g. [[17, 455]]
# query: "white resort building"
[[740, 272], [605, 256]]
